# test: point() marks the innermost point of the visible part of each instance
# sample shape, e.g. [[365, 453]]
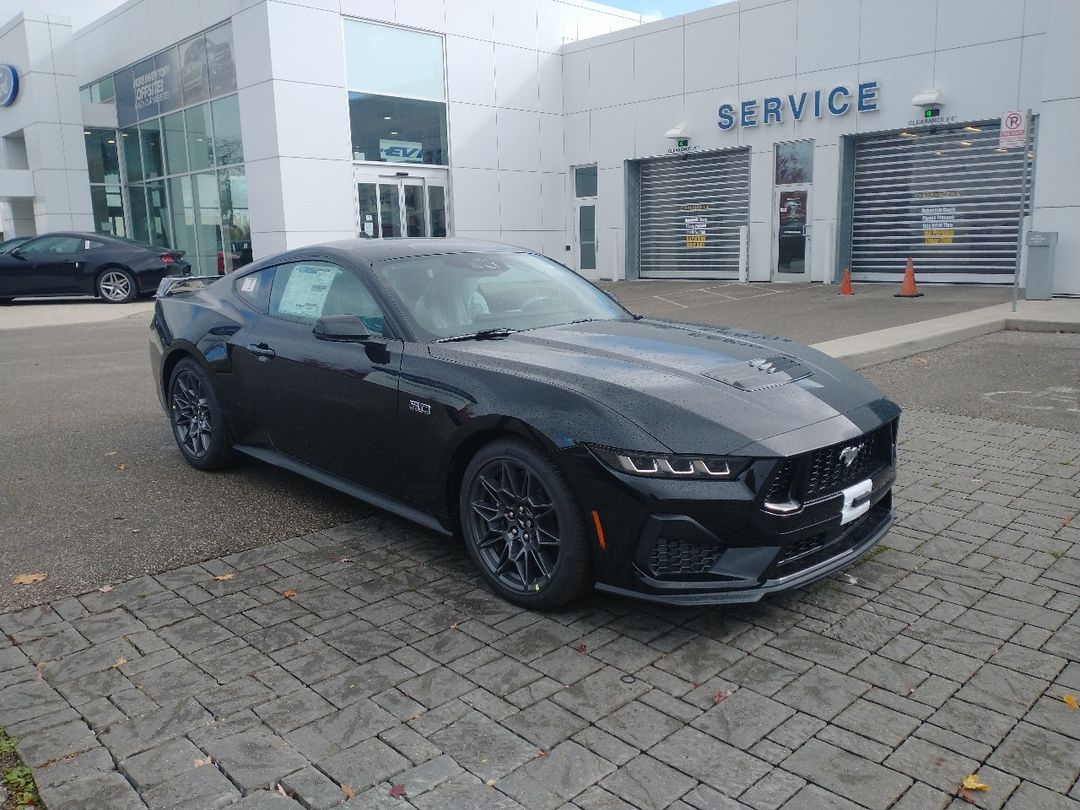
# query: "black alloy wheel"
[[197, 419], [523, 528]]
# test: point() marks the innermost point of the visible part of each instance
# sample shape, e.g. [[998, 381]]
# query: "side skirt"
[[327, 479]]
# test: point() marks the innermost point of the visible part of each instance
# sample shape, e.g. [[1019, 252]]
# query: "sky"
[[83, 12]]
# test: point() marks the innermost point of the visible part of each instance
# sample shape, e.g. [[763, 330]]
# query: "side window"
[[306, 291], [254, 288], [52, 244]]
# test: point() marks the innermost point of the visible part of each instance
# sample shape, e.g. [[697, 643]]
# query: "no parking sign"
[[1013, 129]]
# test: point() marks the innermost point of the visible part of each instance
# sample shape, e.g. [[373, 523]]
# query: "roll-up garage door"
[[947, 198], [690, 210]]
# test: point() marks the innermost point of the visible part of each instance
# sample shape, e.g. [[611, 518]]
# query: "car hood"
[[696, 389]]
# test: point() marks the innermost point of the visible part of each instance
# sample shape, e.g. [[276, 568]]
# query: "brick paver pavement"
[[946, 653]]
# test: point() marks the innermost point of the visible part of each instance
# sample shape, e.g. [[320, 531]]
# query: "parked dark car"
[[479, 388], [115, 270]]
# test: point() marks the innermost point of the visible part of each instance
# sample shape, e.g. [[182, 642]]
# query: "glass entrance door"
[[389, 205], [792, 233]]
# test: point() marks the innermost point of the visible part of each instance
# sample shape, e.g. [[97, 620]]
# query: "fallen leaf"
[[344, 559], [720, 697], [27, 579], [581, 648], [105, 588], [110, 454], [967, 797], [973, 783], [121, 467], [200, 762], [542, 753], [1070, 701], [851, 580], [453, 626], [490, 783], [224, 577], [1068, 519], [280, 789], [348, 791], [119, 662], [397, 791], [289, 594]]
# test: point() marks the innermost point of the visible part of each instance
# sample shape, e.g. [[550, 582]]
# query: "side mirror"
[[341, 328]]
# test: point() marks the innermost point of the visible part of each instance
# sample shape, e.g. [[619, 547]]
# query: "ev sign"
[[1013, 129], [401, 151]]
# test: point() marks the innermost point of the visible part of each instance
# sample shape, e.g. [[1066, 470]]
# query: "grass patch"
[[16, 777], [878, 549]]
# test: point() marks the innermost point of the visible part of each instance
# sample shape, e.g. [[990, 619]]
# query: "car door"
[[330, 404], [54, 263]]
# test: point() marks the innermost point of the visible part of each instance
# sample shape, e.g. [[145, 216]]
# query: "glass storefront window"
[[140, 223], [228, 145], [585, 181], [194, 78], [158, 214], [219, 60], [102, 157], [172, 128], [236, 225], [437, 207], [794, 163], [182, 207], [200, 147], [394, 61], [208, 221], [397, 130], [108, 207], [132, 154], [150, 137]]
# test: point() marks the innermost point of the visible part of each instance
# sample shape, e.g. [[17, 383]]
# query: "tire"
[[197, 419], [523, 526], [115, 285]]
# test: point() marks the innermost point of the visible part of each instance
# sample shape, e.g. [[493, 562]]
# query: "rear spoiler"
[[171, 285]]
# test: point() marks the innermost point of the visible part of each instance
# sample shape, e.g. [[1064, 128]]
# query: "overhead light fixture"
[[927, 98], [87, 132], [386, 118], [393, 132], [1000, 149], [970, 128], [966, 143], [906, 134], [111, 140]]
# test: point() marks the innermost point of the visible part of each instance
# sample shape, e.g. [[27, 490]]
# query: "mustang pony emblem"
[[849, 454]]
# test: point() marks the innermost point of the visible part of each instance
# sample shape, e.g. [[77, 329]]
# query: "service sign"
[[1013, 132], [401, 151], [9, 85]]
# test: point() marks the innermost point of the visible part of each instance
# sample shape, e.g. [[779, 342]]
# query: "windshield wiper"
[[484, 334]]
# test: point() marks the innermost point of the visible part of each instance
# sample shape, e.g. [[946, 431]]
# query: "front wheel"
[[198, 421], [523, 526], [116, 286]]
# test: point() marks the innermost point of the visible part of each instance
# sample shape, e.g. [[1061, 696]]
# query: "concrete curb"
[[72, 313], [885, 345]]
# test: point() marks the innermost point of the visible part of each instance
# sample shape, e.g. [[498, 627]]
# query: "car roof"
[[380, 250]]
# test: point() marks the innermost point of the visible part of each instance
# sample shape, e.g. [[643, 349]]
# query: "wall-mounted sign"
[[934, 120], [772, 110], [401, 151], [682, 146], [9, 85], [938, 222], [1013, 129], [695, 231]]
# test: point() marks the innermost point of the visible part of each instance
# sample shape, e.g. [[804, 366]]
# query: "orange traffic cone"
[[908, 288], [845, 285]]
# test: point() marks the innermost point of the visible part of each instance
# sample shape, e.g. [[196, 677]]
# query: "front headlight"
[[654, 465]]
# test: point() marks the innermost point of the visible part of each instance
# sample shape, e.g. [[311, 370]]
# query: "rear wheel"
[[198, 422], [116, 286], [523, 526]]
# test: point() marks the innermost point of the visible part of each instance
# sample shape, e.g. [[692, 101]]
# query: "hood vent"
[[766, 372]]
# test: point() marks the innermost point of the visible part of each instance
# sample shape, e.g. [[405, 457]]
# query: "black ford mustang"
[[477, 387], [115, 270]]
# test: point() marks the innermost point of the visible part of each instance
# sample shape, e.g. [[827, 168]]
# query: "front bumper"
[[708, 542]]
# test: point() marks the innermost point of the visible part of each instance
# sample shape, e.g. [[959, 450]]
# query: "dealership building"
[[763, 140]]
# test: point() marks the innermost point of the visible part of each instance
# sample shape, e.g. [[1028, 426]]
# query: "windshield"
[[463, 293]]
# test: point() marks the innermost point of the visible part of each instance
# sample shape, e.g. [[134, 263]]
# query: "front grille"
[[780, 489], [798, 550], [828, 471], [673, 557]]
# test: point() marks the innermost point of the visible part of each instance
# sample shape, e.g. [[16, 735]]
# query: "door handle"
[[261, 350]]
